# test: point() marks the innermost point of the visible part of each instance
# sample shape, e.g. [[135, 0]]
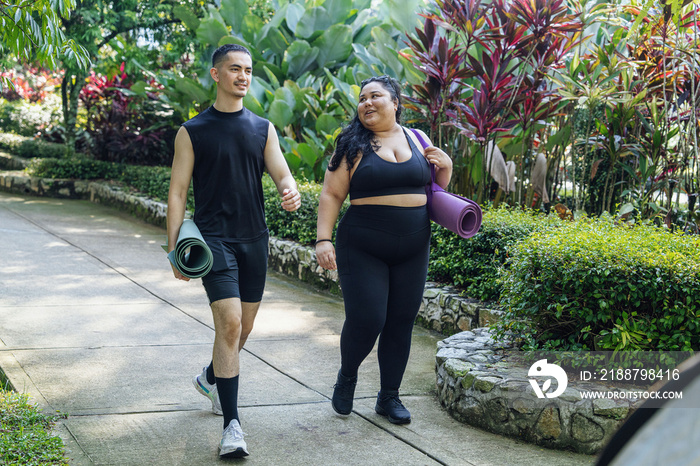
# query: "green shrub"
[[30, 148], [592, 285], [154, 182], [10, 141], [80, 168], [299, 226], [472, 264], [26, 433], [27, 118]]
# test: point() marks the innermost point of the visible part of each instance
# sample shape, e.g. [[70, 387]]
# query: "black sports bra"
[[375, 176]]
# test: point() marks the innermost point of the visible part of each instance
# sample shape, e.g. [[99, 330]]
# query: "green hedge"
[[593, 285], [152, 182], [472, 264], [28, 148], [81, 168], [31, 148], [299, 226], [564, 285]]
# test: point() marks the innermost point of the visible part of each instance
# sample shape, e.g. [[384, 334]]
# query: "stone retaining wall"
[[296, 260], [476, 386], [443, 310], [101, 193]]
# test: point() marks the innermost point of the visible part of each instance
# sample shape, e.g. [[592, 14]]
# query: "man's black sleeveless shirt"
[[227, 177]]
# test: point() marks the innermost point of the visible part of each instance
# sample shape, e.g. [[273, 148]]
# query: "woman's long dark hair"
[[355, 138]]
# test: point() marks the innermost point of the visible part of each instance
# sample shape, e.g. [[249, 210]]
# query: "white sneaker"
[[210, 391], [232, 444]]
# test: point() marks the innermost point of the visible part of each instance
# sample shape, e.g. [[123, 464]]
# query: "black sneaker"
[[389, 405], [343, 394]]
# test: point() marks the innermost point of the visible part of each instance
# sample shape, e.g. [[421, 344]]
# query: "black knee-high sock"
[[211, 378], [228, 395]]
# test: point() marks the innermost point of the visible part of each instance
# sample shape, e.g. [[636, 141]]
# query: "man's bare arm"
[[180, 178]]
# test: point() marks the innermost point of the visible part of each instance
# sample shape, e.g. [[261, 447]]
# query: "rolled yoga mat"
[[456, 213], [191, 256]]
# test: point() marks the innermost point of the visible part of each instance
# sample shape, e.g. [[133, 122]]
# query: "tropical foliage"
[[32, 32], [488, 68], [308, 58], [112, 32], [124, 122], [588, 104]]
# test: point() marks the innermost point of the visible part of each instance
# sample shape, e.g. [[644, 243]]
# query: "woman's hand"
[[325, 255], [438, 157], [443, 165]]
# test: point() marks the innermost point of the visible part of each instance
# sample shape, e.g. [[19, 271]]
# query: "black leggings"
[[382, 254]]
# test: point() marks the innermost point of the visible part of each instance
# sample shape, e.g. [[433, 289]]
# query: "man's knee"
[[247, 327], [230, 330], [249, 312], [228, 320]]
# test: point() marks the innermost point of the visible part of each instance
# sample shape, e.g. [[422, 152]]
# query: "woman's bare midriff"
[[398, 200]]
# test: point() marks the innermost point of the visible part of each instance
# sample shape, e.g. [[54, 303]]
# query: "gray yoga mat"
[[191, 255]]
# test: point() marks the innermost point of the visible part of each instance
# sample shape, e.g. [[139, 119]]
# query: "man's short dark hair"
[[221, 52]]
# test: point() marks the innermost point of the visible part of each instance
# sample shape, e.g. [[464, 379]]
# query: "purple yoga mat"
[[454, 212]]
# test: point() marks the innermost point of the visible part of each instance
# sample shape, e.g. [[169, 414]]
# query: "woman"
[[383, 241]]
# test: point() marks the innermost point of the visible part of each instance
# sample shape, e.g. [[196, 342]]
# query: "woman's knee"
[[365, 326]]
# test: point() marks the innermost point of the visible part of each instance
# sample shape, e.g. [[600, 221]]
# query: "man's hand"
[[291, 200], [177, 273]]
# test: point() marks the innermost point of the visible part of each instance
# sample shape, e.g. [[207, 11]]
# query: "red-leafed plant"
[[29, 83], [666, 62], [486, 67], [123, 124], [443, 64]]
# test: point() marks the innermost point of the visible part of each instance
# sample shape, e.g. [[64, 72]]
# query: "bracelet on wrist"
[[321, 241]]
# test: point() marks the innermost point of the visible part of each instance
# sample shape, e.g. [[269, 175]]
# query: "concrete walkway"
[[92, 324]]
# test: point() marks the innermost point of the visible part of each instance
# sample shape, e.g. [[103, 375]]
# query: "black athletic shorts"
[[238, 271]]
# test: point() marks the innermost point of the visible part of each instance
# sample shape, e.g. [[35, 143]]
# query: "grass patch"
[[25, 433]]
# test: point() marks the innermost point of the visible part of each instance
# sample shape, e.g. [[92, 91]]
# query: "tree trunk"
[[582, 192], [73, 82]]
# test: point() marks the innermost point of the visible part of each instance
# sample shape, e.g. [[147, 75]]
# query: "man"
[[225, 150]]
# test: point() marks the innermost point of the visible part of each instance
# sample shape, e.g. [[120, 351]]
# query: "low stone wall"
[[443, 310], [446, 312], [140, 207], [101, 193], [296, 260], [476, 386]]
